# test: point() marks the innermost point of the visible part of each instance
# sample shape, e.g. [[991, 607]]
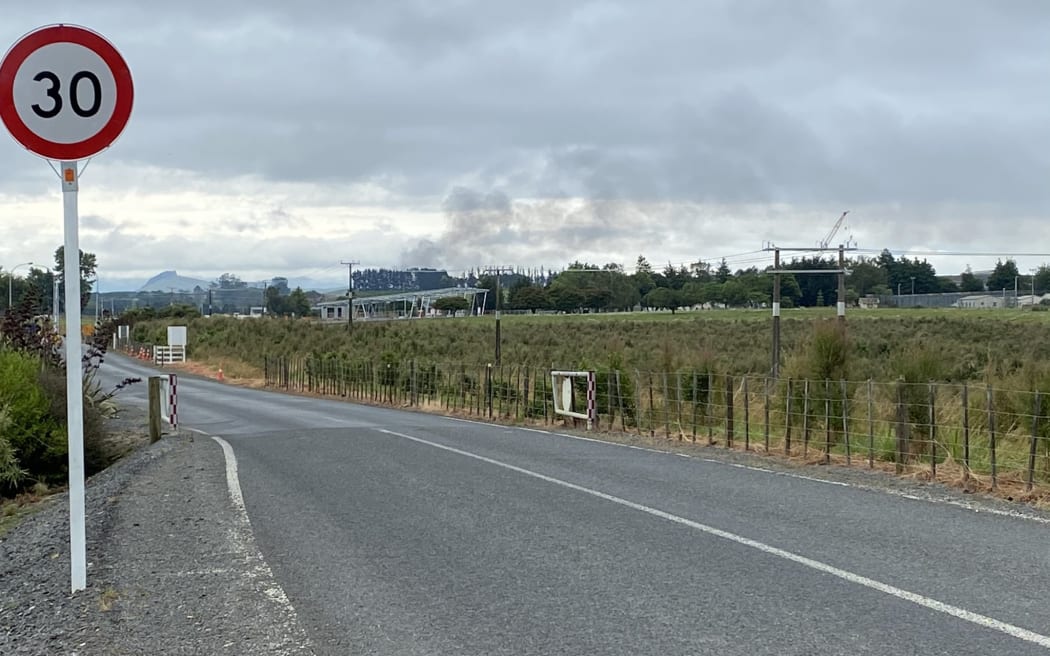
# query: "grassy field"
[[1004, 347]]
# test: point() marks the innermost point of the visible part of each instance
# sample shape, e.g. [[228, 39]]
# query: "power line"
[[906, 251]]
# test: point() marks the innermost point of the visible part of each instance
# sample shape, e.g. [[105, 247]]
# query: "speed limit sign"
[[65, 92]]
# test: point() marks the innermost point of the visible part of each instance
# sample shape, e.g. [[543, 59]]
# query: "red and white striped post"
[[592, 415], [173, 415]]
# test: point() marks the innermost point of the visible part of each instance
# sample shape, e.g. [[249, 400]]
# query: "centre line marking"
[[915, 598]]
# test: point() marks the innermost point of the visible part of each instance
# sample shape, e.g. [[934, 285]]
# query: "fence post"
[[518, 390], [729, 411], [871, 425], [678, 399], [154, 408], [667, 410], [933, 431], [526, 407], [546, 378], [652, 433], [1036, 411], [695, 383], [845, 422], [488, 388], [991, 436], [414, 397], [787, 420], [499, 390], [765, 412], [619, 401], [710, 414], [827, 422], [966, 431], [805, 418], [902, 414], [747, 416]]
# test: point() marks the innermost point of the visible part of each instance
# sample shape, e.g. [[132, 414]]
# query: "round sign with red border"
[[65, 92]]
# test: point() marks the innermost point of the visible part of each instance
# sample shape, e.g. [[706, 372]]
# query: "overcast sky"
[[278, 138]]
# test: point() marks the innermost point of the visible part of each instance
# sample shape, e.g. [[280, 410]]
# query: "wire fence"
[[994, 435]]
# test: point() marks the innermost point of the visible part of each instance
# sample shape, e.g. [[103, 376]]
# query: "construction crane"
[[826, 241]]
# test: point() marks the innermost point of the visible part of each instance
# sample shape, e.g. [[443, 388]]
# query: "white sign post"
[[66, 95]]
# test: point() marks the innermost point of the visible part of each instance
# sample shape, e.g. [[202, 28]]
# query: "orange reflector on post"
[[70, 175]]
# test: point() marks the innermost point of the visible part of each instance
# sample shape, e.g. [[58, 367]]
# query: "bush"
[[34, 439]]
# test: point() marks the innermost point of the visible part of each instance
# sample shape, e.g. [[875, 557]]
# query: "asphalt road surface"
[[403, 533]]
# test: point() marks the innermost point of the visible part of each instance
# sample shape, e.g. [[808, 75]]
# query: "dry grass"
[[107, 598], [12, 511]]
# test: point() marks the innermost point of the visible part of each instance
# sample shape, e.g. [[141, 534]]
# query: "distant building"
[[281, 284], [981, 301]]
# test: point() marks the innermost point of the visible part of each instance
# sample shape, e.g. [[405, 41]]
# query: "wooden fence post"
[[695, 391], [1036, 411], [765, 412], [871, 425], [729, 411], [805, 418], [710, 414], [667, 409], [526, 406], [747, 416], [991, 436], [652, 432], [902, 414], [966, 430], [678, 398], [845, 422], [933, 431], [619, 401], [827, 421], [154, 408], [488, 388], [787, 419]]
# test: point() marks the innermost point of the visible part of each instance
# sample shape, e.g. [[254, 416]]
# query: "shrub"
[[35, 442]]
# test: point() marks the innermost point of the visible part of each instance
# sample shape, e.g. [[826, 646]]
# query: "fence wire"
[[995, 435]]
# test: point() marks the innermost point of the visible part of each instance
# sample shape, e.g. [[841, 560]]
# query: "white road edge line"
[[972, 507], [920, 600], [261, 569]]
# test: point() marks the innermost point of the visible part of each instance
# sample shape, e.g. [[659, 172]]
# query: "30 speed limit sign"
[[65, 92]]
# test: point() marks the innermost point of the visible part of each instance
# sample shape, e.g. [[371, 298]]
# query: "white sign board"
[[176, 335]]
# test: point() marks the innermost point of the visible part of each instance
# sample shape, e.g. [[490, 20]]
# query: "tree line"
[[589, 287]]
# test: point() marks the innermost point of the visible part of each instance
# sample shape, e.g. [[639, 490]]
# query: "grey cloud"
[[755, 100], [95, 222], [486, 227], [935, 107]]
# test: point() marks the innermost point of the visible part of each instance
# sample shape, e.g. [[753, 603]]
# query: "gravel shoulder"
[[172, 565]]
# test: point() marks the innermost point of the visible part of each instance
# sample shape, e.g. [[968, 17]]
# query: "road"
[[396, 532]]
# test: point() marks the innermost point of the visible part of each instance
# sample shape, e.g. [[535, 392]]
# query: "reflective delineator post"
[[74, 382]]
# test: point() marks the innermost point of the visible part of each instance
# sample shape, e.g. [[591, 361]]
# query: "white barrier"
[[170, 399], [169, 354], [562, 388]]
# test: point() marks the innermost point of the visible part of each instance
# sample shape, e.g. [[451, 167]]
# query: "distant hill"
[[168, 280]]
